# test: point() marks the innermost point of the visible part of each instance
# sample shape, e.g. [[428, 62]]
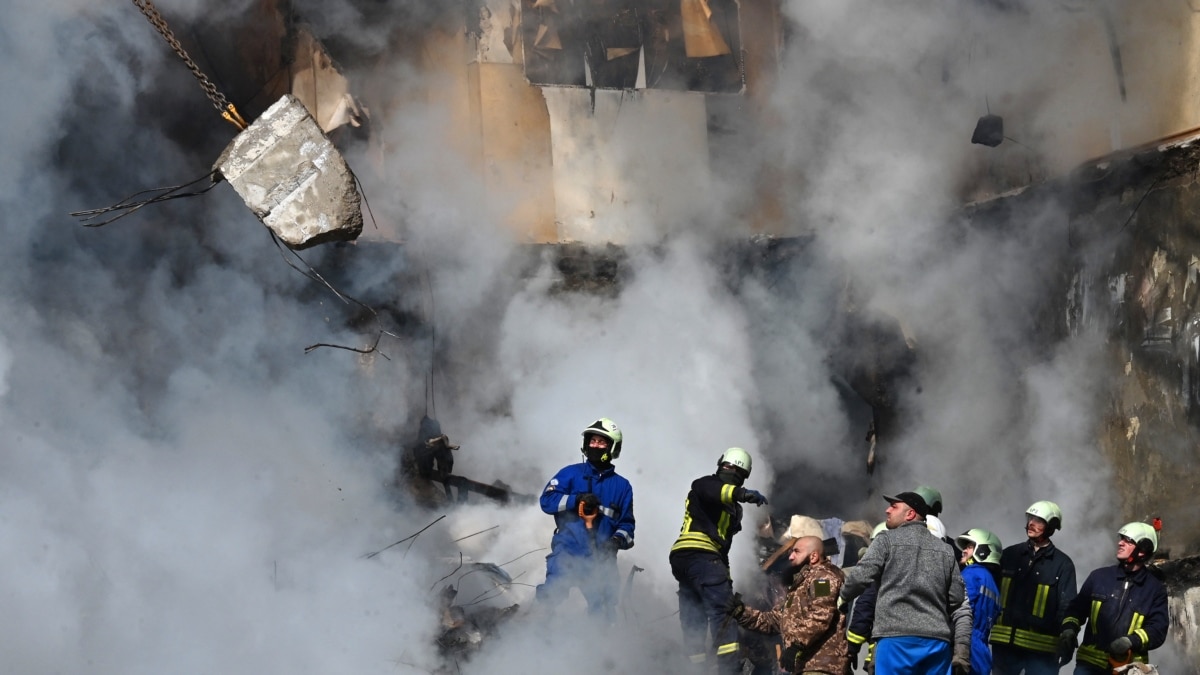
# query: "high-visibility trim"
[[1071, 621], [727, 494], [1143, 635], [1038, 642], [1039, 600], [1005, 584], [855, 638], [989, 593], [1093, 656], [870, 653], [727, 648], [1001, 634], [1094, 614], [723, 526], [562, 503], [608, 512], [698, 658], [697, 540]]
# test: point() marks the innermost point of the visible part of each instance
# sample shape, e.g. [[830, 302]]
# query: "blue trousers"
[[909, 655], [704, 591], [595, 577]]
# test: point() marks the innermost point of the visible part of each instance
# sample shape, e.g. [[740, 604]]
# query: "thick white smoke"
[[182, 489]]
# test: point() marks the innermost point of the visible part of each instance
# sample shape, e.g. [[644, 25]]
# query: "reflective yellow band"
[[1038, 642], [1000, 635], [1039, 600], [1093, 656], [727, 494], [695, 540], [1071, 621], [1136, 623], [855, 638], [1143, 635], [1095, 613], [729, 648]]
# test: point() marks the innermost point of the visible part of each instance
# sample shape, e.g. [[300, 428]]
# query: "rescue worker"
[[811, 629], [919, 624], [932, 497], [712, 515], [1037, 582], [1124, 607], [980, 566], [593, 519]]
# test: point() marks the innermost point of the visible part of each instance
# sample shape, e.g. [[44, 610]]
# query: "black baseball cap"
[[914, 500]]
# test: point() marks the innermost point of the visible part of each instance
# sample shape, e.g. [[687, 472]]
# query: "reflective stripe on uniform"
[[727, 648], [698, 540], [855, 638], [1039, 600], [1004, 585], [1094, 613], [1038, 642], [1001, 634], [727, 493]]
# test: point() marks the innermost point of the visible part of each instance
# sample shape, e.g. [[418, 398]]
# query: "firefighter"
[[593, 518], [1124, 607], [700, 558], [811, 628], [1037, 582], [980, 567]]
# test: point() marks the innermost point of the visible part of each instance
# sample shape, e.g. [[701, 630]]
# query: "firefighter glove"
[[589, 502], [1066, 645], [960, 663], [842, 605], [792, 659], [854, 647], [610, 546], [1120, 646], [753, 497], [734, 605]]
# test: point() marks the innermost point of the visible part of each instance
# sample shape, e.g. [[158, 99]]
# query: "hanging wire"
[[129, 204]]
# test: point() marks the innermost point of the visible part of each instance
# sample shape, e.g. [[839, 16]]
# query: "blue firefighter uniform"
[[985, 609], [1116, 603], [1036, 585], [583, 557]]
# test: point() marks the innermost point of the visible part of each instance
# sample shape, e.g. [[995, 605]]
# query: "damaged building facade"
[[547, 102]]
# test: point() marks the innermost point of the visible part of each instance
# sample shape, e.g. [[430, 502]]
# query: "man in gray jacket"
[[922, 620]]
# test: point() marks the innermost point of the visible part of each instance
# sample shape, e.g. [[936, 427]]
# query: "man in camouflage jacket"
[[812, 629]]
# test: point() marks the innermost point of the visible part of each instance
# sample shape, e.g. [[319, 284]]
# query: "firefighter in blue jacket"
[[1124, 607], [1037, 582], [699, 558], [981, 566], [593, 517]]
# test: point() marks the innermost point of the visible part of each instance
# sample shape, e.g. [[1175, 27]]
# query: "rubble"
[[293, 178]]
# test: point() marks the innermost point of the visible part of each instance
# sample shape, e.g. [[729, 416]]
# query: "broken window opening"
[[682, 45]]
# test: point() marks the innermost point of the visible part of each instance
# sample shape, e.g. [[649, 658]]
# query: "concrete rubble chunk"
[[293, 178]]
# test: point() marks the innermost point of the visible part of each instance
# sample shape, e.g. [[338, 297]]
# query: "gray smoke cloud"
[[184, 490]]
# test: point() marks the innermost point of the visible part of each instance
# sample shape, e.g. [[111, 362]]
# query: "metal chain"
[[227, 110]]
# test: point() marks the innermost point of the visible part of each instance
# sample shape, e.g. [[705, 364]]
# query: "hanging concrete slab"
[[293, 178]]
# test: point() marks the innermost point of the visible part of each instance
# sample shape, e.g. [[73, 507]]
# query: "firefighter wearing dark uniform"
[[1124, 607], [700, 559], [1037, 581]]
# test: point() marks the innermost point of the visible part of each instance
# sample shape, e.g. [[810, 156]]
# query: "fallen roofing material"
[[293, 178]]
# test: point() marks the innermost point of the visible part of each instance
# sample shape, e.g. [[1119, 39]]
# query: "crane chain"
[[227, 109]]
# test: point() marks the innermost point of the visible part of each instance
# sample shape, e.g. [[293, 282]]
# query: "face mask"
[[730, 477], [597, 456]]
